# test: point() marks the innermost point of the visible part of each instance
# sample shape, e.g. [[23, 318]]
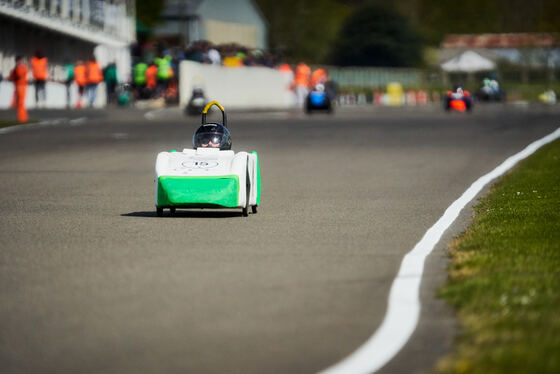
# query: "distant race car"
[[210, 175], [491, 91], [196, 103], [318, 99], [459, 100]]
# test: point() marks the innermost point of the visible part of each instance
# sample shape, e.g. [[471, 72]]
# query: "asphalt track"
[[91, 280]]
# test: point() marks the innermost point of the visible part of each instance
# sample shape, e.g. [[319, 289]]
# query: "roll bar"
[[207, 107]]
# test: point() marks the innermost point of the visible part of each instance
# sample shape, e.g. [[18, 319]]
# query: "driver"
[[210, 142], [212, 135], [320, 87], [458, 94]]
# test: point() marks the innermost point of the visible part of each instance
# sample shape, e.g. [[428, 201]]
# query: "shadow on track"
[[185, 214]]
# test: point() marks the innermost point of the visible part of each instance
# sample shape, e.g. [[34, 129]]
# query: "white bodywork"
[[212, 162]]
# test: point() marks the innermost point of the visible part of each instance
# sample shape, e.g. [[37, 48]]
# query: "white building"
[[67, 30], [523, 51], [218, 21]]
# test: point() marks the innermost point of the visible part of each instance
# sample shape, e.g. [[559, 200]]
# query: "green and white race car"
[[210, 175]]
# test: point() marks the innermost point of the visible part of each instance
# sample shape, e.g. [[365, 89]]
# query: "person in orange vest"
[[318, 76], [81, 80], [40, 70], [288, 75], [285, 68], [287, 72], [151, 78], [94, 76], [19, 77], [301, 82]]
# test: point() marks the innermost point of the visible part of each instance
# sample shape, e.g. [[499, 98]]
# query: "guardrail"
[[55, 94]]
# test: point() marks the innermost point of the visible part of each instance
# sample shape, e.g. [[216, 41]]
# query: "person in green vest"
[[69, 79], [111, 81], [139, 77], [164, 74]]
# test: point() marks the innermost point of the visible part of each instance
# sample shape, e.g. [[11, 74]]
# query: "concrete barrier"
[[236, 88], [56, 95]]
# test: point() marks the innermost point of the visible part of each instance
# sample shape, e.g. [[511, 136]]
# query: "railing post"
[[64, 8], [53, 6], [85, 11], [76, 11]]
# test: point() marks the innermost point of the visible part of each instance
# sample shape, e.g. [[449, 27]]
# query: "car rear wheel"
[[159, 211], [172, 211], [254, 209]]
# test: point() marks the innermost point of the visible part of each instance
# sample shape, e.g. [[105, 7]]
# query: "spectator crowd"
[[154, 74], [155, 77], [35, 71], [156, 68]]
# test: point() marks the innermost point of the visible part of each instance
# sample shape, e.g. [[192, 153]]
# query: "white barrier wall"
[[56, 95], [236, 88]]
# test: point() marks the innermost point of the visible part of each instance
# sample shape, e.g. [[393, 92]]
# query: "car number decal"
[[200, 164]]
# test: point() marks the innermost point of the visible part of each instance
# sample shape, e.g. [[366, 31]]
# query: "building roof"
[[518, 40], [468, 61]]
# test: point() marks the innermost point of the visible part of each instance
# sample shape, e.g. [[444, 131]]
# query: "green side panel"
[[178, 191], [258, 179]]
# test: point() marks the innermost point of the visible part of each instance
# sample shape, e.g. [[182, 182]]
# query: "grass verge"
[[505, 275], [6, 123], [530, 91]]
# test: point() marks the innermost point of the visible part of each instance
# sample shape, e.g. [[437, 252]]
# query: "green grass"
[[530, 92], [6, 123], [505, 275]]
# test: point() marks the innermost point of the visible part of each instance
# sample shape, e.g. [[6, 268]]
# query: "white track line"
[[403, 311], [152, 113], [50, 122]]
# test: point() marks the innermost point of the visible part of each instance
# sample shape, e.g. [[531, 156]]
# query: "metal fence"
[[375, 77]]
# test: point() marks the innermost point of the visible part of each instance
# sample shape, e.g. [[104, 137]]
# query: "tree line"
[[382, 33]]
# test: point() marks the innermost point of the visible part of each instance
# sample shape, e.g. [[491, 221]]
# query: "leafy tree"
[[375, 35], [303, 30], [438, 19]]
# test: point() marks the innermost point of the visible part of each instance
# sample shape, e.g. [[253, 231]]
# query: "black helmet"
[[212, 135]]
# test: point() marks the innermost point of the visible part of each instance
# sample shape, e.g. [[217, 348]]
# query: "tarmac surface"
[[92, 281]]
